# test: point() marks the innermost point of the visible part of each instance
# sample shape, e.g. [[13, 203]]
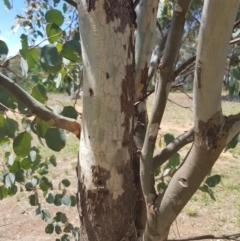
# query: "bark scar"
[[199, 70]]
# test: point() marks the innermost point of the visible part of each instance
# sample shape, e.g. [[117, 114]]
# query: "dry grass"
[[200, 216]]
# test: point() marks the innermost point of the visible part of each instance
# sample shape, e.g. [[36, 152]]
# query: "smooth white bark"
[[213, 42], [145, 35], [105, 57]]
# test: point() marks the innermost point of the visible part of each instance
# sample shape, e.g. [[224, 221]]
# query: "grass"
[[191, 211]]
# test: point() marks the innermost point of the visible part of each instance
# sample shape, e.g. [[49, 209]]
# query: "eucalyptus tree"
[[121, 53]]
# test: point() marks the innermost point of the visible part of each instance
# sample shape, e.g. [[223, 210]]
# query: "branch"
[[184, 65], [166, 77], [71, 2], [233, 126], [210, 236], [234, 41], [236, 24], [173, 147], [38, 109]]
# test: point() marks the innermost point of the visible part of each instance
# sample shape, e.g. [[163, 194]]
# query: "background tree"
[[118, 197]]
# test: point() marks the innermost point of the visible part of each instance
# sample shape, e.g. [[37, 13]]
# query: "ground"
[[201, 216]]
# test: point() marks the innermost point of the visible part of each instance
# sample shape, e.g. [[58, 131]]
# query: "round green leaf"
[[66, 200], [63, 218], [55, 139], [50, 198], [73, 201], [2, 120], [4, 142], [19, 175], [9, 179], [168, 138], [32, 57], [54, 32], [52, 160], [69, 111], [11, 127], [39, 93], [3, 49], [65, 237], [45, 215], [33, 199], [3, 192], [58, 200], [25, 164], [174, 160], [12, 190], [58, 229], [51, 60], [57, 218], [49, 228], [66, 182], [213, 180], [72, 50], [54, 16], [22, 144], [44, 184], [236, 73], [31, 184], [14, 167]]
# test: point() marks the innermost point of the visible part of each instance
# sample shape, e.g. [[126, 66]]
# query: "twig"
[[5, 225], [185, 107], [172, 148], [210, 236], [185, 93], [236, 24], [80, 82], [234, 41]]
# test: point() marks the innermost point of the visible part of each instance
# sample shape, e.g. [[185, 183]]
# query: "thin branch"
[[172, 148], [185, 107], [190, 97], [4, 225], [234, 41], [210, 236], [38, 109], [233, 126], [79, 87], [71, 2], [236, 24], [184, 65]]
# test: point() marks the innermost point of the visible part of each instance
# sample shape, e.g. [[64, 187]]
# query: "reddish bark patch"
[[107, 75], [211, 135], [91, 92], [121, 9], [91, 5], [127, 101], [100, 176], [105, 218]]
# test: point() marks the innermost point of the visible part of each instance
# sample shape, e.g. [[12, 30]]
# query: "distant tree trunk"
[[107, 195]]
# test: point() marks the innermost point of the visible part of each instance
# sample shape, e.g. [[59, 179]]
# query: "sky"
[[7, 20]]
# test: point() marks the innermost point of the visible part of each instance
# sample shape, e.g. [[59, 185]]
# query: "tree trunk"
[[211, 127], [107, 195]]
